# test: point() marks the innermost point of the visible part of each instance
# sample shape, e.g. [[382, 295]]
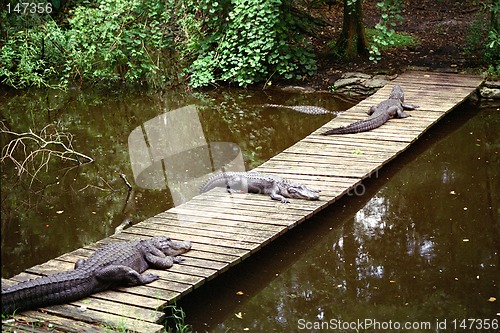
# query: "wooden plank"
[[107, 320], [126, 310], [311, 169], [225, 207], [232, 231], [38, 321], [197, 238], [182, 218], [225, 229], [245, 204], [361, 144], [358, 162], [261, 201], [286, 221], [442, 79], [333, 150]]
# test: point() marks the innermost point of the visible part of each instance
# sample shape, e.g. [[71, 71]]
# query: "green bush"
[[33, 53], [383, 35], [484, 36], [128, 41], [154, 43], [121, 40]]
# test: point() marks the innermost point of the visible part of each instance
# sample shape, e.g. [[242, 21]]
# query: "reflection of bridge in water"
[[226, 228]]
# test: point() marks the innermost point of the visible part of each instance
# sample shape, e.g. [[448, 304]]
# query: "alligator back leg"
[[408, 106], [237, 185], [124, 275], [79, 263], [400, 114], [372, 110]]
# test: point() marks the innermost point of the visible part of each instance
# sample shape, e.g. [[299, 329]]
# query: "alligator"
[[113, 265], [379, 114], [309, 109], [254, 182]]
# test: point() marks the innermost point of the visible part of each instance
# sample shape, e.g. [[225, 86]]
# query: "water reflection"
[[171, 152], [411, 249]]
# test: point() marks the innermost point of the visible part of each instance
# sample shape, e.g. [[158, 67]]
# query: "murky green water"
[[159, 142], [419, 246]]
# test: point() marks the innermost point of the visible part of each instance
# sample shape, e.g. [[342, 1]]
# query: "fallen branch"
[[38, 149], [125, 180]]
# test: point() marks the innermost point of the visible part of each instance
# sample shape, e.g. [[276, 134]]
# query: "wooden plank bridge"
[[225, 229]]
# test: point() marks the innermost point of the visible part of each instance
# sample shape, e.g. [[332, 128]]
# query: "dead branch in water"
[[37, 149], [125, 180]]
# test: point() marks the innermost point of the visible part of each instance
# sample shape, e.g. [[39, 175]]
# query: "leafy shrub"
[[253, 41], [151, 42], [493, 46], [386, 36], [128, 41], [33, 53], [120, 40], [484, 37]]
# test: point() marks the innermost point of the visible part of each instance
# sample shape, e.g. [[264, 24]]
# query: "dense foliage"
[[111, 40], [165, 42], [153, 42], [248, 41]]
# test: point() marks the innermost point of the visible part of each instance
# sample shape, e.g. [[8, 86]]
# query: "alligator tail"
[[222, 179], [48, 290], [359, 126]]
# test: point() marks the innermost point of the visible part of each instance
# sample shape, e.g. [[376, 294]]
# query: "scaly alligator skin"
[[379, 114], [117, 264], [309, 109], [253, 182]]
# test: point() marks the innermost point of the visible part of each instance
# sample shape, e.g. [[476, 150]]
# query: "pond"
[[418, 246], [56, 206], [419, 243]]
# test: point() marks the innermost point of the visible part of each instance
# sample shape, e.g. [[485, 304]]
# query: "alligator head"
[[397, 93], [300, 192], [170, 247]]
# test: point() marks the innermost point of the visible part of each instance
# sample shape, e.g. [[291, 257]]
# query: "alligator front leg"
[[279, 197], [123, 275], [274, 194], [401, 114], [162, 262]]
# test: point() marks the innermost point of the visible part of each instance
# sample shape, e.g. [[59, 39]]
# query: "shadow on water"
[[156, 142], [419, 245]]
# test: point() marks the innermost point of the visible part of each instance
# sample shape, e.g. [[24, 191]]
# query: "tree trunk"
[[493, 15], [352, 41]]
